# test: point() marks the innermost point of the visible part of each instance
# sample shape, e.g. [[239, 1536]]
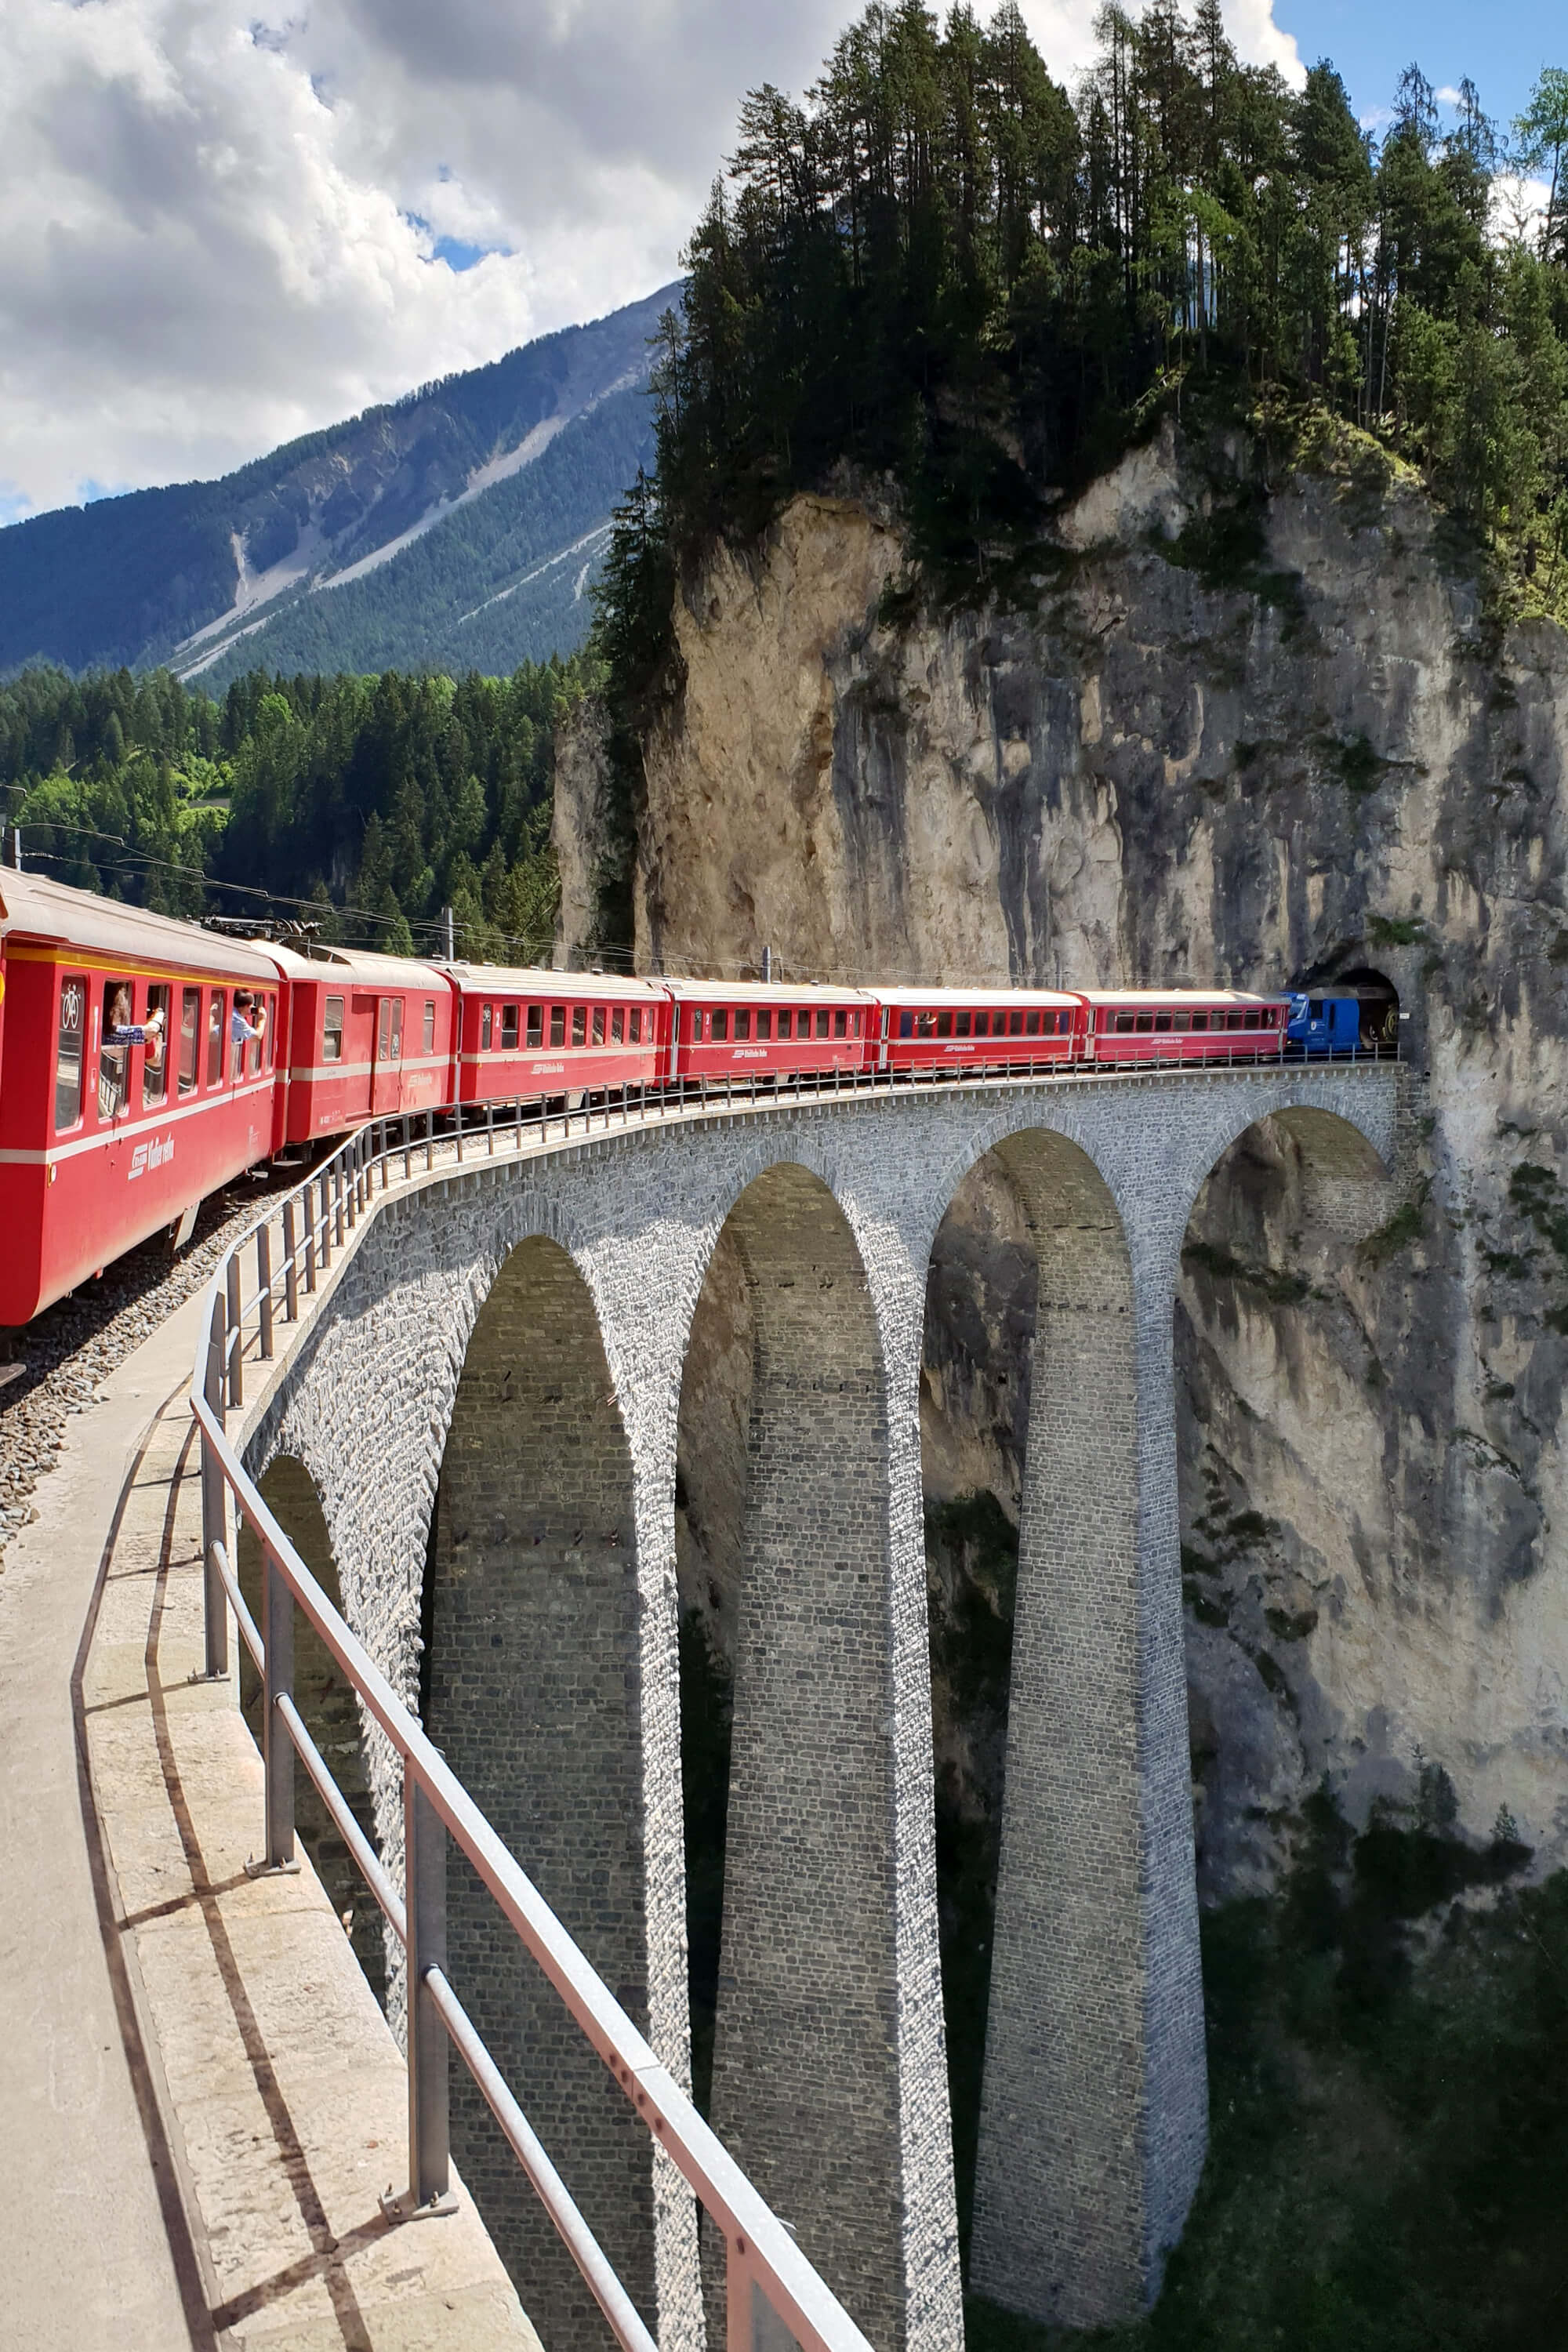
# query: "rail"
[[766, 2270]]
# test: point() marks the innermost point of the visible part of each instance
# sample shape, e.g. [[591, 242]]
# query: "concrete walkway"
[[201, 2099]]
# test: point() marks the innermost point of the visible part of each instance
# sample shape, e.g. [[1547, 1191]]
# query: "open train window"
[[155, 1060], [215, 1037], [598, 1025], [70, 1042], [535, 1031], [430, 1026], [190, 1039], [558, 1024], [636, 1024], [742, 1024], [333, 1031], [719, 1028], [487, 1026], [579, 1024], [508, 1028], [113, 1061]]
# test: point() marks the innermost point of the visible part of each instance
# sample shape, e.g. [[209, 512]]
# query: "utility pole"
[[16, 848], [448, 950], [767, 966]]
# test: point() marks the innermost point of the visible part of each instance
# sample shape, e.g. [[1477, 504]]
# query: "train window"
[[1016, 1024], [269, 1044], [430, 1026], [1031, 1025], [906, 1024], [695, 1028], [190, 1038], [155, 1060], [557, 1025], [636, 1025], [1315, 1009], [822, 1024], [1200, 1021], [598, 1025], [1144, 1023], [925, 1024], [742, 1024], [332, 1030], [718, 1026], [786, 1018], [965, 1023], [215, 1035], [113, 1060], [508, 1028], [618, 1027], [68, 1043], [944, 1024], [1233, 1020], [1161, 1020], [396, 1052], [487, 1026], [764, 1024], [1252, 1020], [535, 1034], [1180, 1020], [841, 1023], [579, 1024], [383, 1030]]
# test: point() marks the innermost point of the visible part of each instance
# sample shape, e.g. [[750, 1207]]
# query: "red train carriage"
[[1182, 1024], [948, 1029], [369, 1036], [102, 1143], [739, 1029], [528, 1035]]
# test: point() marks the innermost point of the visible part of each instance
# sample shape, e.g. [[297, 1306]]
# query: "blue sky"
[[1501, 48]]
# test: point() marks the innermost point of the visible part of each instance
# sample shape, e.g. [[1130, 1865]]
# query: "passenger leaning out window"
[[247, 1025], [120, 1034]]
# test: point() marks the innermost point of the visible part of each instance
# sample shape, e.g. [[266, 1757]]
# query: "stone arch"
[[329, 1708], [534, 1696], [1092, 2104], [807, 2064], [1274, 1367]]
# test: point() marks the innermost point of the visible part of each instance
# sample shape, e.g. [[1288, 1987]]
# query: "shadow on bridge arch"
[[530, 1611], [329, 1708], [783, 1552]]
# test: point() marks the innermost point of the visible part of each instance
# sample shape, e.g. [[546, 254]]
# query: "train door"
[[386, 1079]]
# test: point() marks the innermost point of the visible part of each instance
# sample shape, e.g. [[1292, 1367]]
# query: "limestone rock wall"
[[1333, 761]]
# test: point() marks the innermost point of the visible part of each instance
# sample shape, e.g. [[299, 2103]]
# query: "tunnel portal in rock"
[[533, 1697]]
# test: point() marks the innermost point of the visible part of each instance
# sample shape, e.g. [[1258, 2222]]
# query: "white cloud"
[[216, 233]]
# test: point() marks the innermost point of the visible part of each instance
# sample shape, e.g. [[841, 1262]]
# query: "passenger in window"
[[246, 1025], [118, 1029]]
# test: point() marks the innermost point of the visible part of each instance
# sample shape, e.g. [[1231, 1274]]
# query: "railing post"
[[429, 1141], [264, 1283], [425, 1897], [491, 1128], [407, 1149], [290, 1264], [234, 1338], [338, 1189], [214, 1502], [326, 1219], [277, 1748]]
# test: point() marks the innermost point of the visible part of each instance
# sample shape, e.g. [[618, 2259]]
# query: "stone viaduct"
[[510, 1337]]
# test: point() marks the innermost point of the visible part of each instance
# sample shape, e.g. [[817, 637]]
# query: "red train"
[[104, 1139]]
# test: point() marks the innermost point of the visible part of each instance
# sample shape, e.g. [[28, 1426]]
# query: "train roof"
[[767, 992], [33, 907], [538, 980], [988, 996], [366, 964], [1157, 996]]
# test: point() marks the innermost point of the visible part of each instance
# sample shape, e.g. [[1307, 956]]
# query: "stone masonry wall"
[[367, 1402]]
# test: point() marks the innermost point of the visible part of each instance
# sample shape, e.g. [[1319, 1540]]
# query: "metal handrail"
[[762, 2257]]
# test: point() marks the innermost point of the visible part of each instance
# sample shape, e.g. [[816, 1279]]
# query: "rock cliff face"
[[1249, 735]]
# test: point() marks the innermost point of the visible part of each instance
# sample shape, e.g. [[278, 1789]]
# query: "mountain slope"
[[420, 512]]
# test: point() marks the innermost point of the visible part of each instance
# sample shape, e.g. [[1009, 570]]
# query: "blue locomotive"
[[1341, 1021]]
